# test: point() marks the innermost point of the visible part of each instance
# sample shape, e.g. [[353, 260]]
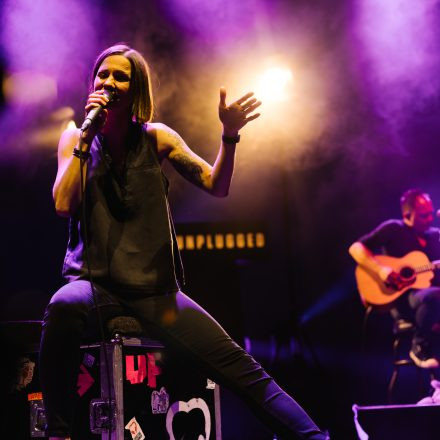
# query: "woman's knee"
[[70, 302]]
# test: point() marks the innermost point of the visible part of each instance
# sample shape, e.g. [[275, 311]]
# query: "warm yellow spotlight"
[[29, 88], [47, 133], [273, 84], [62, 114]]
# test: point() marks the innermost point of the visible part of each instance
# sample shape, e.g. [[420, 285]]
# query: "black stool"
[[403, 331]]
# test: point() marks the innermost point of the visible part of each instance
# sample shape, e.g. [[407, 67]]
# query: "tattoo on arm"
[[190, 169]]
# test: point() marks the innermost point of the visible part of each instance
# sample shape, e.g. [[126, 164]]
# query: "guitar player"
[[397, 238]]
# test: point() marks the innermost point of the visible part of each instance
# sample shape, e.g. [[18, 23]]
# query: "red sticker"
[[85, 380]]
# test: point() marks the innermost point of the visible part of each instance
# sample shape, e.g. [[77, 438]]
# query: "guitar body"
[[373, 290]]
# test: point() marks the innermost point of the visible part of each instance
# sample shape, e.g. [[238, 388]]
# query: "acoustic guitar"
[[415, 272]]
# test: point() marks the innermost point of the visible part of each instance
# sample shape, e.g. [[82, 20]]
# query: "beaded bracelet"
[[81, 154]]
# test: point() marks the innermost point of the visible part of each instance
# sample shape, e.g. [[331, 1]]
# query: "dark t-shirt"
[[396, 239]]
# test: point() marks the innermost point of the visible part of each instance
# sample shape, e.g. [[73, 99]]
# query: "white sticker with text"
[[135, 429]]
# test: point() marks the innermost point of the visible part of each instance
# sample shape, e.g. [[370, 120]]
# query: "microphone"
[[94, 113]]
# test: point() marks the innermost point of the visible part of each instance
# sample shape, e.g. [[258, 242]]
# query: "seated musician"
[[397, 238]]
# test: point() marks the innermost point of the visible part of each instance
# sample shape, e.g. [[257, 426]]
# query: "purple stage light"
[[39, 35], [45, 45], [397, 44], [215, 20]]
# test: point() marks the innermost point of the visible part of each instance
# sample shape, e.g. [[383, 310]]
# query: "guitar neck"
[[433, 265]]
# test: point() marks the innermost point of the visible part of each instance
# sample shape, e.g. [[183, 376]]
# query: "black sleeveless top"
[[132, 245]]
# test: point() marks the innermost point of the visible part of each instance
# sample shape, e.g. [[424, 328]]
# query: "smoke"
[[217, 23], [264, 32], [355, 83], [397, 45], [234, 49], [44, 44], [41, 35]]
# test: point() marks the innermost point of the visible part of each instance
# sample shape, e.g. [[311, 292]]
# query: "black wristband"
[[231, 140], [81, 154]]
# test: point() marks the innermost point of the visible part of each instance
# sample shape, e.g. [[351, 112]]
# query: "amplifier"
[[403, 422]]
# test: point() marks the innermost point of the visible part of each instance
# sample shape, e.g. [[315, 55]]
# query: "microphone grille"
[[111, 94]]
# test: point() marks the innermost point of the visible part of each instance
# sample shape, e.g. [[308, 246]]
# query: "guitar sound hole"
[[406, 273]]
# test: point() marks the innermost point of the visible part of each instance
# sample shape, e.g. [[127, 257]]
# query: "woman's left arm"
[[214, 179]]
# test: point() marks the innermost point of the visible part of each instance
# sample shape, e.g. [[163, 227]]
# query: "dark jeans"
[[426, 305], [181, 325]]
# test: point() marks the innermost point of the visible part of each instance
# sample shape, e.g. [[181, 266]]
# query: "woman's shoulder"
[[165, 138], [71, 132], [158, 133], [158, 128], [69, 137]]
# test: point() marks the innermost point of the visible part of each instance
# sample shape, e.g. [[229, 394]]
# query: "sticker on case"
[[85, 381], [135, 429], [25, 373], [147, 368], [210, 384], [160, 401], [180, 406], [88, 360]]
